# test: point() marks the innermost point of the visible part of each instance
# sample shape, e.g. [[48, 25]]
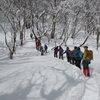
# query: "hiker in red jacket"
[[38, 43]]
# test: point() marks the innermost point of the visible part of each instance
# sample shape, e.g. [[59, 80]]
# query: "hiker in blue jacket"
[[60, 52], [67, 54], [56, 51], [45, 47], [78, 56]]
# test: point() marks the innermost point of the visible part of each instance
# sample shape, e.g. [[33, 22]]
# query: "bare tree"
[[11, 45], [98, 35]]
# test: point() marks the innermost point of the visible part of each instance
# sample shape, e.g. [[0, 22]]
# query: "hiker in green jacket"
[[31, 35], [86, 62]]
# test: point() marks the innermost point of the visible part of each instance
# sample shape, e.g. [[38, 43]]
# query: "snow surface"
[[30, 76]]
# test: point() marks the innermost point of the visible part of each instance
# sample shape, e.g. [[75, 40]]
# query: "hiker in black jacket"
[[56, 51]]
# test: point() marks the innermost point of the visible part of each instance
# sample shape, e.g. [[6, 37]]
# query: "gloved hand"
[[82, 61], [89, 62]]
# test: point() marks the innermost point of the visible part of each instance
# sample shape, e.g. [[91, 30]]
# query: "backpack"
[[90, 54], [61, 50], [80, 54]]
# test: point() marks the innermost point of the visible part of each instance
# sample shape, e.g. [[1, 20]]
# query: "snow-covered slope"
[[30, 76]]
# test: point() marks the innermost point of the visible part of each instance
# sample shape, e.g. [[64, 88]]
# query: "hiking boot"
[[85, 74], [88, 75]]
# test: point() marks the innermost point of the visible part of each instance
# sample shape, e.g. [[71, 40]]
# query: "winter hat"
[[75, 47], [85, 46], [67, 48], [78, 48]]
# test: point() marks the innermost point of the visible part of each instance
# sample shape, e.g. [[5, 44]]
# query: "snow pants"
[[72, 60], [86, 69], [55, 54], [69, 59], [61, 56], [78, 63]]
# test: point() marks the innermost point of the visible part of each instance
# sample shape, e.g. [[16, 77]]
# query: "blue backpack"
[[61, 50], [80, 54]]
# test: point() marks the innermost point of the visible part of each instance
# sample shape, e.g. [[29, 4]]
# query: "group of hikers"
[[39, 47], [76, 57]]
